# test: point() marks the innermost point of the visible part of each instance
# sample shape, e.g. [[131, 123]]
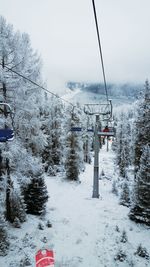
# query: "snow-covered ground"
[[70, 94], [83, 232], [80, 96]]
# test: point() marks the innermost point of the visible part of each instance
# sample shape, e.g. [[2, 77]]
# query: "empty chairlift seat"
[[6, 132], [76, 129]]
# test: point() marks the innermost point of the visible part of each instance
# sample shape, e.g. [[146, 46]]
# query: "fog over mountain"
[[125, 92], [64, 34]]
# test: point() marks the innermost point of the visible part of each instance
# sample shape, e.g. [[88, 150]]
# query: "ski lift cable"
[[43, 88], [40, 86], [100, 48]]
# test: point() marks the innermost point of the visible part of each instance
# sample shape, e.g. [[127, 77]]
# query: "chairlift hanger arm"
[[5, 104]]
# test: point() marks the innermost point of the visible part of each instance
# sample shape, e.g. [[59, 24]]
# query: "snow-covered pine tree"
[[26, 99], [18, 207], [74, 148], [2, 180], [114, 143], [4, 242], [128, 140], [140, 210], [72, 157], [17, 54], [7, 55], [16, 223], [124, 144], [57, 116], [125, 194], [120, 146], [45, 114], [35, 196], [142, 127], [87, 138], [119, 140], [52, 114], [29, 100]]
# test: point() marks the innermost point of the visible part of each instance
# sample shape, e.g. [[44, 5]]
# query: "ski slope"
[[83, 232]]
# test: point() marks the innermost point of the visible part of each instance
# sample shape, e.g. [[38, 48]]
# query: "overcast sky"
[[64, 33]]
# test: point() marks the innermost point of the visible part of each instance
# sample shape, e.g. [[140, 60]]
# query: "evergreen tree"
[[114, 188], [124, 144], [57, 131], [74, 150], [52, 114], [28, 101], [119, 141], [121, 150], [140, 210], [124, 237], [4, 243], [16, 53], [18, 207], [35, 196], [87, 139], [16, 223], [72, 157], [23, 153], [2, 182], [142, 127], [129, 140], [125, 195], [123, 162]]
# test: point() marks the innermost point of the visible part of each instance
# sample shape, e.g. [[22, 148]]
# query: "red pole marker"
[[44, 258]]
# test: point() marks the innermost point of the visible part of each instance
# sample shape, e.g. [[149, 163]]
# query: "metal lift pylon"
[[104, 110]]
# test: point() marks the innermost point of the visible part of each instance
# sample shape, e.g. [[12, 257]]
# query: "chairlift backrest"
[[76, 129], [6, 133], [90, 130]]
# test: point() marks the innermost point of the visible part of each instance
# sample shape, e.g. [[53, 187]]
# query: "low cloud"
[[64, 34]]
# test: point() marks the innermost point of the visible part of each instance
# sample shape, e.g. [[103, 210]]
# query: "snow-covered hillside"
[[85, 232], [83, 97]]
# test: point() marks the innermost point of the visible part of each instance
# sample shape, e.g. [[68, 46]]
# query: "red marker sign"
[[44, 258]]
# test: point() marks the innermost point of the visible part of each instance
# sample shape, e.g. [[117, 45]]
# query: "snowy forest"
[[46, 161]]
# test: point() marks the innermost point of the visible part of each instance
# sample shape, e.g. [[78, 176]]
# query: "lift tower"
[[101, 111]]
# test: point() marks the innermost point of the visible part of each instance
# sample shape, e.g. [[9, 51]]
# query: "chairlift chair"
[[90, 130], [76, 129], [6, 132], [107, 131]]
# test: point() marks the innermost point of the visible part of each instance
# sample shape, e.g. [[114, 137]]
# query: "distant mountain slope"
[[94, 92]]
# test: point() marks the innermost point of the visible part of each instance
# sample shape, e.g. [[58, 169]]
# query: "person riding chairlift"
[[106, 129]]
